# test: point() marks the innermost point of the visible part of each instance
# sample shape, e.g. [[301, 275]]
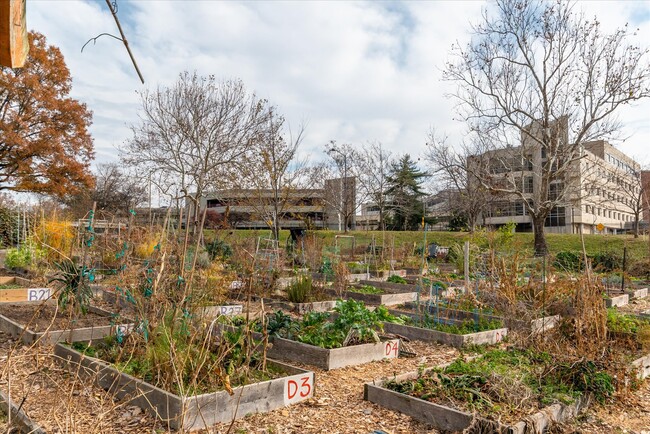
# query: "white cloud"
[[356, 72]]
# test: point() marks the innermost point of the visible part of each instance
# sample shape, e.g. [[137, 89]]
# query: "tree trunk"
[[636, 226], [541, 249]]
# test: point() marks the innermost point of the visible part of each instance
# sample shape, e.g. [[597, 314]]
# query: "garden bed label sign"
[[231, 310], [391, 349], [38, 294], [298, 388]]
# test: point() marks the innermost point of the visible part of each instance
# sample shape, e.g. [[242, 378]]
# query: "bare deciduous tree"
[[192, 134], [275, 177], [340, 182], [372, 168], [449, 168], [530, 65], [630, 195], [116, 191]]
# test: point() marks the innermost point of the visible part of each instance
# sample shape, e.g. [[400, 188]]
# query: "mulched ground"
[[62, 404]]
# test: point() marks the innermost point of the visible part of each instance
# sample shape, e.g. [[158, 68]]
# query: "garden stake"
[[623, 270]]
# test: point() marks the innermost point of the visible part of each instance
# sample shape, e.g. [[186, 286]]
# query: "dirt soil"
[[41, 316]]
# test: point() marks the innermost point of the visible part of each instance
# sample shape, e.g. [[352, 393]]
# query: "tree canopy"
[[405, 193], [537, 78], [45, 146], [192, 135]]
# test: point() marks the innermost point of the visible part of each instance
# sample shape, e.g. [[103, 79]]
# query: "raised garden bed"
[[327, 359], [399, 287], [300, 308], [629, 327], [197, 411], [40, 321], [388, 297], [14, 289], [452, 398], [635, 293], [18, 420], [348, 336], [418, 329], [535, 326], [616, 300]]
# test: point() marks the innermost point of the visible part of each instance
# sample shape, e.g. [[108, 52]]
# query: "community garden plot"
[[16, 418], [301, 294], [374, 295], [534, 326], [45, 323], [633, 333], [288, 385], [457, 333], [351, 335], [500, 391]]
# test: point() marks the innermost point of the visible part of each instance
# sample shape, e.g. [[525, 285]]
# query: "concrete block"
[[642, 366], [285, 349], [445, 418], [540, 325], [199, 411], [617, 300], [635, 293]]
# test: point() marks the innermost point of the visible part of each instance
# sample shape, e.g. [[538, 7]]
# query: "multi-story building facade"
[[314, 208], [594, 193]]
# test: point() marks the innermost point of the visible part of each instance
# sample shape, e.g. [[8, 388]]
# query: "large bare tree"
[[191, 135], [532, 67]]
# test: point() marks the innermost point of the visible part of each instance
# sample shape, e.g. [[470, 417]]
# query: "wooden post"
[[466, 270], [14, 43]]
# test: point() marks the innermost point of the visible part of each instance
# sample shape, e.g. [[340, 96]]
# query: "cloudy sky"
[[351, 71]]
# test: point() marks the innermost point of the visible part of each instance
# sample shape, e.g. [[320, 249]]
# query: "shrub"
[[299, 290], [18, 258], [218, 249], [23, 256], [640, 268], [607, 261], [567, 260]]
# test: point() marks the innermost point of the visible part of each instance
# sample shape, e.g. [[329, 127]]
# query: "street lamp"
[[344, 188]]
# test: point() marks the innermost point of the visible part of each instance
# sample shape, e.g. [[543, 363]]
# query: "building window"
[[529, 162], [555, 191], [556, 217], [528, 184], [506, 209]]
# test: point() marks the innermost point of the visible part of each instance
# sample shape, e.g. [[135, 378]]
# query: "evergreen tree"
[[405, 193]]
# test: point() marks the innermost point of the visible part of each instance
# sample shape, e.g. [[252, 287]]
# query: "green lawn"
[[523, 242]]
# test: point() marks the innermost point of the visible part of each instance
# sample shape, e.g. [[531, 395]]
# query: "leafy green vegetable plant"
[[366, 289], [396, 279], [353, 324]]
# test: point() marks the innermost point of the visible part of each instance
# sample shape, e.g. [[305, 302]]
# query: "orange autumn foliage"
[[45, 145]]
